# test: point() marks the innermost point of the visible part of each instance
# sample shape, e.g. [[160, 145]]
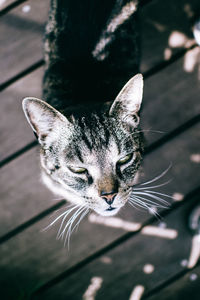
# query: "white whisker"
[[152, 196], [63, 220], [152, 187], [149, 130], [60, 234], [157, 177], [81, 218], [140, 203], [148, 201], [60, 216], [132, 204], [70, 230], [157, 193]]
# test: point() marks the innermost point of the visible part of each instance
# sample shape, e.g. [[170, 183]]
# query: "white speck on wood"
[[195, 251], [26, 8], [114, 222], [106, 260], [195, 158], [193, 277], [160, 232], [148, 269], [184, 263], [167, 54], [92, 289], [2, 2], [178, 196], [191, 58], [137, 292]]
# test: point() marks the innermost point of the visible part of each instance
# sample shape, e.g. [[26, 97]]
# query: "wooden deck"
[[116, 262]]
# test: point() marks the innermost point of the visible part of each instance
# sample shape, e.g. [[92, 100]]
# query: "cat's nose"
[[108, 197]]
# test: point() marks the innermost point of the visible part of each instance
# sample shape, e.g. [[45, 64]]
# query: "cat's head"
[[91, 160]]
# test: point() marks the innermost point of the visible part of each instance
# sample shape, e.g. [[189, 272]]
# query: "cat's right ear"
[[43, 118], [128, 102]]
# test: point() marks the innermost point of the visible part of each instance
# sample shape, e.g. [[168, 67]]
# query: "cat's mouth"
[[110, 208], [108, 212]]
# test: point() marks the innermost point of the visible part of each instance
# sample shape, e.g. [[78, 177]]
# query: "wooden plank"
[[127, 266], [15, 131], [156, 29], [166, 28], [31, 249], [5, 3], [160, 90], [21, 32], [186, 287], [168, 100], [182, 104], [22, 194]]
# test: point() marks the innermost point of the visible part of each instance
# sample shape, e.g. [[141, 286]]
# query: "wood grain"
[[21, 35], [159, 21], [184, 288], [47, 258], [15, 131], [127, 261]]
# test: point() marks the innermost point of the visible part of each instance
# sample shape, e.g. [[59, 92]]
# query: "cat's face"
[[91, 160]]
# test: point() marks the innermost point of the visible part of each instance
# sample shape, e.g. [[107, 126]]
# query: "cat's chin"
[[107, 213]]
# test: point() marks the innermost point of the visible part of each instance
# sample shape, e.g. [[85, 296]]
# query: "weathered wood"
[[160, 21], [160, 91], [168, 99], [127, 262], [22, 194], [4, 4], [32, 258], [21, 34], [156, 29], [15, 131], [186, 287], [31, 250]]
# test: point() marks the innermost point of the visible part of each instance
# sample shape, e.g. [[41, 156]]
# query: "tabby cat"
[[91, 147]]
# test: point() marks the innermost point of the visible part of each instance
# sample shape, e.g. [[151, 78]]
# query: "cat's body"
[[91, 148]]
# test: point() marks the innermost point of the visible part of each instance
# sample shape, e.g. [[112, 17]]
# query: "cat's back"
[[91, 50]]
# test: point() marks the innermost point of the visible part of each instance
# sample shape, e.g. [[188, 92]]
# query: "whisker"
[[157, 193], [63, 220], [54, 221], [152, 196], [146, 206], [152, 187], [132, 204], [60, 234], [152, 202], [69, 230], [157, 177], [81, 218], [150, 130], [140, 203], [135, 203]]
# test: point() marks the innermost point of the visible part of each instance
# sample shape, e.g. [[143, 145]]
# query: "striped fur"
[[81, 72]]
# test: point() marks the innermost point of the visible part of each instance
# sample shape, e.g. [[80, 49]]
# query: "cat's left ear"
[[127, 104]]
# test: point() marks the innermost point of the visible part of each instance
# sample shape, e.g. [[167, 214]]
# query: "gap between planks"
[[110, 246], [169, 281], [162, 65]]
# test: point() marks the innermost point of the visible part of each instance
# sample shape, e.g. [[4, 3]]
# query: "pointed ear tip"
[[28, 100], [139, 76]]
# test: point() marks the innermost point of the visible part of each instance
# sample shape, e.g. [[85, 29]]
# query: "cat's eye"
[[78, 170], [125, 159]]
